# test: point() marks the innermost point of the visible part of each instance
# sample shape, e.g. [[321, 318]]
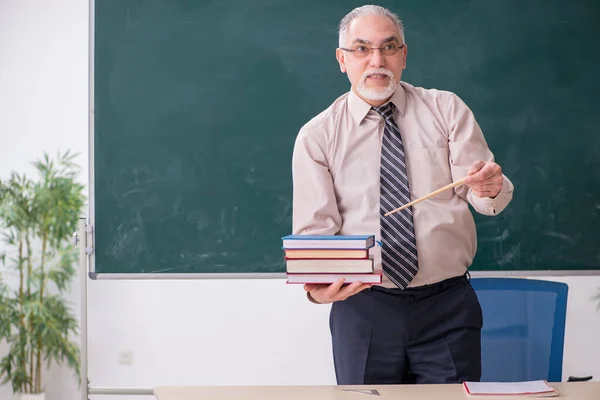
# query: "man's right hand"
[[336, 291]]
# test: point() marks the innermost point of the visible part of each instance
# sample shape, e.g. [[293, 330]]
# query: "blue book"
[[328, 241]]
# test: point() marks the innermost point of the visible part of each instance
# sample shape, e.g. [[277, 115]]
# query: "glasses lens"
[[361, 51], [389, 50]]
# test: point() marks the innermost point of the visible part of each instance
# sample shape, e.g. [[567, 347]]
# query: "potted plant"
[[37, 219]]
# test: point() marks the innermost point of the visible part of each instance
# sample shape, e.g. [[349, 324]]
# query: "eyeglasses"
[[362, 51]]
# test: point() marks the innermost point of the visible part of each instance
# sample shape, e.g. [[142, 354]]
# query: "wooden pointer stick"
[[440, 190]]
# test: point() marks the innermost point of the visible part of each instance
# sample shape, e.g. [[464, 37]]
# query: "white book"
[[330, 265], [374, 277], [539, 388]]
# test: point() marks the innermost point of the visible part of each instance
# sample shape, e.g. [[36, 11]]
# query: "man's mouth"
[[377, 76]]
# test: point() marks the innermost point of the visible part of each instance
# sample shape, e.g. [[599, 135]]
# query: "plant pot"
[[30, 396]]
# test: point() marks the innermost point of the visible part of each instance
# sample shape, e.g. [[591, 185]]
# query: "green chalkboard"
[[196, 106]]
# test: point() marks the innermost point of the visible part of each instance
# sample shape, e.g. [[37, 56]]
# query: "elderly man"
[[375, 148]]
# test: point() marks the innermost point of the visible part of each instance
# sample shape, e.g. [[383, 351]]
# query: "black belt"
[[426, 289]]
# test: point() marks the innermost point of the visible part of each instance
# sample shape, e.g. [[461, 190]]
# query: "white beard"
[[377, 94]]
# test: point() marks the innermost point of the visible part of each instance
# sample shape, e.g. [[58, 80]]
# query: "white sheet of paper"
[[533, 388]]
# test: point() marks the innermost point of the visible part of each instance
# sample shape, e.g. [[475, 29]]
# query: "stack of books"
[[325, 259]]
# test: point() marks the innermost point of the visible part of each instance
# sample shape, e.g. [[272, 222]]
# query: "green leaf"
[[37, 219]]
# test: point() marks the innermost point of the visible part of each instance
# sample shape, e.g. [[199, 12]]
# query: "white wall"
[[43, 103], [213, 332]]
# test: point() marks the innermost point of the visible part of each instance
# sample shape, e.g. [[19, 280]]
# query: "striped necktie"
[[399, 250]]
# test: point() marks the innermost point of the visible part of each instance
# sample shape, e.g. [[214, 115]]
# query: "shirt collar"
[[360, 108]]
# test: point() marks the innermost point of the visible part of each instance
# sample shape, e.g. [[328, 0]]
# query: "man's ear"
[[339, 54], [405, 51]]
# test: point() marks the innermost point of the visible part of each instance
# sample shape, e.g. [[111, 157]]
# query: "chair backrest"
[[523, 328]]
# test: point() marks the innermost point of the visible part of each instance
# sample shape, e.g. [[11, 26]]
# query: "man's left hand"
[[484, 179]]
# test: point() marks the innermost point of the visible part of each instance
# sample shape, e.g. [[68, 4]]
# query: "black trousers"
[[429, 334]]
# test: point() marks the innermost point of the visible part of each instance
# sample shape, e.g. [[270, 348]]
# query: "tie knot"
[[386, 111]]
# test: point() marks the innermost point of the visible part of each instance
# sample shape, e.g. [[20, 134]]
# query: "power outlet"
[[126, 357]]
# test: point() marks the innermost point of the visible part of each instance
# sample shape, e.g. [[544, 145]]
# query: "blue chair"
[[523, 328]]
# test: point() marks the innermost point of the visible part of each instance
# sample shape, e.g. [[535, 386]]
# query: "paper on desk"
[[539, 388]]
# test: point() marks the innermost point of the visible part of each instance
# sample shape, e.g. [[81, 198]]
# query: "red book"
[[325, 253]]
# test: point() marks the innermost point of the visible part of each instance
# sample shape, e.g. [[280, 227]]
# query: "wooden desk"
[[568, 391]]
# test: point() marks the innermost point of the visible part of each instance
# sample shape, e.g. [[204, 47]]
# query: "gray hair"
[[367, 10]]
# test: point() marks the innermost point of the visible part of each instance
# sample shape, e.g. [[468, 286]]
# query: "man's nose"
[[377, 60]]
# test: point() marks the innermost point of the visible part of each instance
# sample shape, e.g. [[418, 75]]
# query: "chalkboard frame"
[[92, 271]]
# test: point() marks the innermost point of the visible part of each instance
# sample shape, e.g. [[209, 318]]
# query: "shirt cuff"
[[489, 206]]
